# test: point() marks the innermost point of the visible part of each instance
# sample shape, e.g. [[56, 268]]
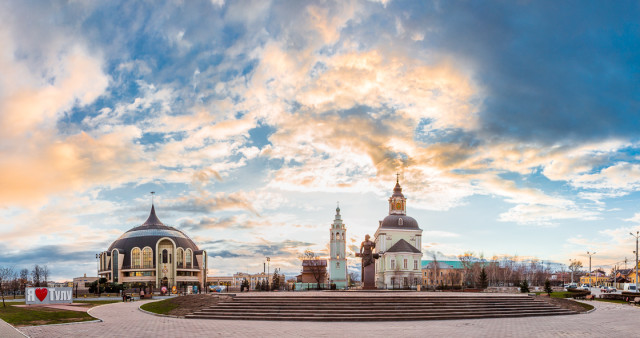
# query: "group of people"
[[129, 297]]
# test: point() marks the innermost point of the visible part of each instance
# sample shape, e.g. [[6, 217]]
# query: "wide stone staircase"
[[391, 307]]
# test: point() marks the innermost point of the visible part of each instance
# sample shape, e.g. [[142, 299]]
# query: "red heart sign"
[[41, 293]]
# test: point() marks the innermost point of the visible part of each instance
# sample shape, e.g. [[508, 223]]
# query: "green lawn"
[[562, 294], [618, 301], [20, 316], [586, 306], [37, 315], [161, 307]]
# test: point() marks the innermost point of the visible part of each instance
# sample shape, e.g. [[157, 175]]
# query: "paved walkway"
[[126, 320], [8, 331]]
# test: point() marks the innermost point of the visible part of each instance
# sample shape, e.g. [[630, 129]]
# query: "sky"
[[514, 126]]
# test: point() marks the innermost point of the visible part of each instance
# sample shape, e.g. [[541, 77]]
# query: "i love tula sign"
[[48, 295]]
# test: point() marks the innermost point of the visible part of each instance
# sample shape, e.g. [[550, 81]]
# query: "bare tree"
[[315, 265], [435, 269], [467, 261], [575, 266], [45, 274], [36, 275], [6, 275], [353, 278], [24, 279]]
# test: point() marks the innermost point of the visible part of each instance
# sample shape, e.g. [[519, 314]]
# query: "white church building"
[[399, 241], [338, 248]]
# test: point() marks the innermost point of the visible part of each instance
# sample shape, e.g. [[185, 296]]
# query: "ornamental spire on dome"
[[397, 202], [152, 219]]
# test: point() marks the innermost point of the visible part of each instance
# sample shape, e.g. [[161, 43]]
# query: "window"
[[165, 256], [135, 258], [180, 257], [425, 274], [337, 264], [332, 237], [405, 263], [147, 257], [188, 258], [415, 265], [393, 264]]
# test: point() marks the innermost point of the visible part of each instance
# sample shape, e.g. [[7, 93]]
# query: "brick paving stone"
[[126, 320], [8, 331]]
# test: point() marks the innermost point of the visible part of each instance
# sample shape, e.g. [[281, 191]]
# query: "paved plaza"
[[126, 320]]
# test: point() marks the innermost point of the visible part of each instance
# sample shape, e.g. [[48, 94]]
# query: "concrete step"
[[365, 317], [374, 312], [380, 308], [348, 308]]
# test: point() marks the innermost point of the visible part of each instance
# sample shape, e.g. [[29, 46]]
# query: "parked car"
[[584, 287], [607, 289], [571, 286]]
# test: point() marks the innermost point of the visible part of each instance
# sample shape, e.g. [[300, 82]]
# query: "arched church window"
[[135, 257], [165, 256], [400, 221], [338, 264], [147, 257], [180, 257]]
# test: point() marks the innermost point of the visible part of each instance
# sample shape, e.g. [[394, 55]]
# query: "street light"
[[590, 254], [637, 235]]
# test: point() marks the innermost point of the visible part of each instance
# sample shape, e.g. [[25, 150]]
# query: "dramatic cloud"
[[250, 119]]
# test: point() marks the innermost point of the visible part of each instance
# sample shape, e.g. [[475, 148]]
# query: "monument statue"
[[368, 268], [367, 255]]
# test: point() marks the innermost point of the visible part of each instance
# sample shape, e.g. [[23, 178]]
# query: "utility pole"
[[590, 254], [637, 235]]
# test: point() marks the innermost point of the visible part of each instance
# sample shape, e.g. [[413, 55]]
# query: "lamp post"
[[590, 254], [637, 235], [268, 259]]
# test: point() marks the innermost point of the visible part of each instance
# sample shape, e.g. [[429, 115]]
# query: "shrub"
[[524, 286]]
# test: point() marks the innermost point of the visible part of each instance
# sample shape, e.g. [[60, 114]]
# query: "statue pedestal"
[[369, 277]]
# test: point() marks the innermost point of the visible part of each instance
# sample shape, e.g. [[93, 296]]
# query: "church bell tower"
[[338, 259]]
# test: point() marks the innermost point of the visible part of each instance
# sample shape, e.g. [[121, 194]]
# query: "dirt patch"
[[192, 303], [564, 303]]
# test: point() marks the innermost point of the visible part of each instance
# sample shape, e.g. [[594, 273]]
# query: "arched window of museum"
[[147, 258], [135, 258], [188, 258], [165, 256], [180, 258]]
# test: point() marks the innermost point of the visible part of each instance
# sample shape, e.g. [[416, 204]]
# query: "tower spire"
[[152, 195]]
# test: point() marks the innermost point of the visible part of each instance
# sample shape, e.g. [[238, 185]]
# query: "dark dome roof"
[[391, 221], [149, 233]]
